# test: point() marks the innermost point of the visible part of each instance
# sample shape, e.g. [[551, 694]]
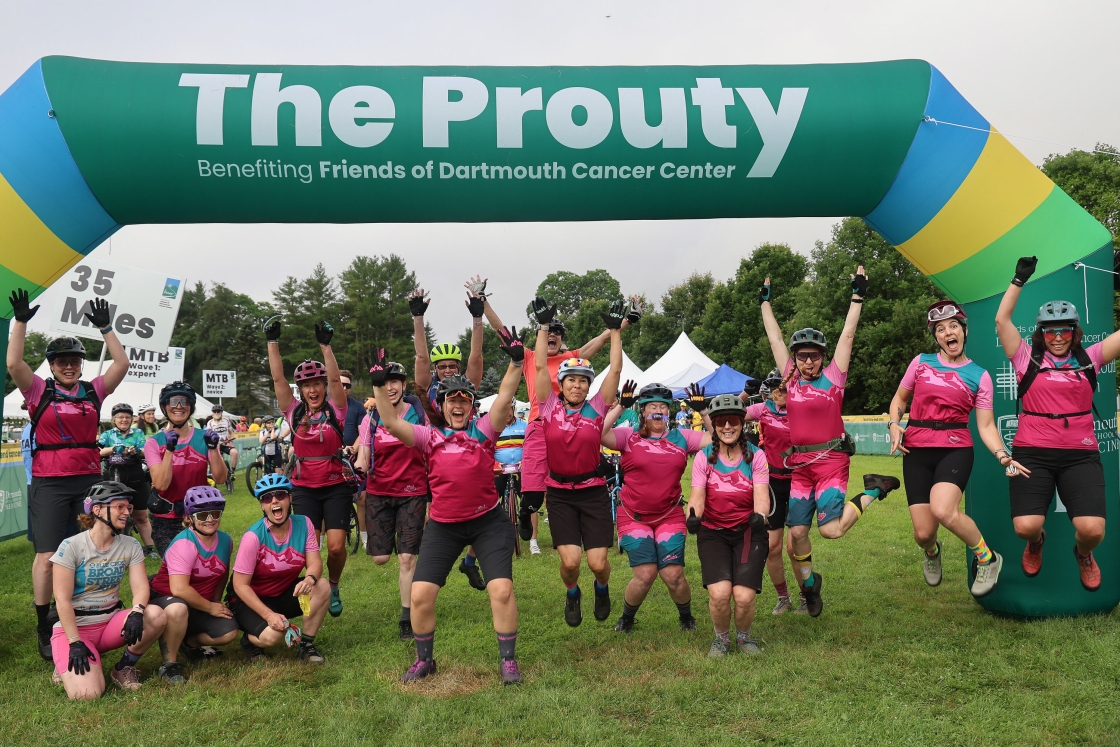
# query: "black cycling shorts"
[[199, 621], [286, 604], [395, 523], [779, 495], [54, 504], [330, 505], [580, 516], [721, 557], [491, 534], [925, 466], [273, 462], [226, 448], [1077, 474]]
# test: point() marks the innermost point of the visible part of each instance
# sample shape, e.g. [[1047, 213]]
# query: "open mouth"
[[276, 512], [952, 343]]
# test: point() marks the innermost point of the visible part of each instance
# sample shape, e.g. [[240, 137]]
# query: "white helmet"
[[144, 408]]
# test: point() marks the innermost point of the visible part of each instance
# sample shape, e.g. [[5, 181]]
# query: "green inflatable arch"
[[89, 146]]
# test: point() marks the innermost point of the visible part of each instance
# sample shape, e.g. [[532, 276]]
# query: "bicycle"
[[511, 499], [614, 490]]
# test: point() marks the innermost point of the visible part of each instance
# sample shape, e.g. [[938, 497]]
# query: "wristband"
[[106, 330], [856, 300], [138, 607], [893, 422], [75, 639], [542, 327], [312, 576], [1017, 281], [273, 342], [518, 364]]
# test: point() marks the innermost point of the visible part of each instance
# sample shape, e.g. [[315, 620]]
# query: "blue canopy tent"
[[724, 380]]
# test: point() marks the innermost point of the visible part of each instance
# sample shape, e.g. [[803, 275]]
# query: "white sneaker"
[[987, 575], [783, 606], [534, 548], [365, 538], [931, 567]]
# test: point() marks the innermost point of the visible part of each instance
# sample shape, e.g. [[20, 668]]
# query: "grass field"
[[891, 661]]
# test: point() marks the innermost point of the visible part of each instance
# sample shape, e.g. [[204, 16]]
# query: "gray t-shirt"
[[97, 573]]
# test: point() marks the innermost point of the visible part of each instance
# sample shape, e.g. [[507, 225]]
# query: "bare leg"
[[744, 607], [143, 526], [719, 605]]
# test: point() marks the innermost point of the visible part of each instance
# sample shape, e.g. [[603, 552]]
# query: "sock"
[[982, 551], [334, 584], [803, 564], [365, 536], [424, 645], [629, 610], [600, 588], [41, 611], [684, 609], [406, 614], [782, 589], [507, 645], [742, 636], [872, 493], [573, 590], [306, 640], [858, 503], [724, 636], [937, 549], [128, 659], [469, 560]]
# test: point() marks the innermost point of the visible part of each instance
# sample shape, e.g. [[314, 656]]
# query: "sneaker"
[[1090, 571], [190, 653], [511, 675], [127, 677], [987, 576], [308, 654], [525, 526], [783, 606], [474, 576], [931, 567], [573, 613], [335, 607], [172, 672], [534, 548], [802, 606], [602, 604], [885, 483], [210, 652], [420, 669], [1032, 556], [44, 636], [813, 600], [688, 624], [624, 625], [252, 653], [719, 648], [406, 633], [749, 645]]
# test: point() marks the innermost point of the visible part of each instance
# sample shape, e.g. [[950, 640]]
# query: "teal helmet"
[[808, 338], [1053, 312]]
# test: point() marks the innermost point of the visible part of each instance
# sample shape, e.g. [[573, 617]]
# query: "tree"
[[682, 310], [374, 313], [34, 352], [570, 291], [1093, 181], [302, 304], [491, 381]]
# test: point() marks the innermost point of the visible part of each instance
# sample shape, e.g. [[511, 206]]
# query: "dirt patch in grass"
[[451, 682]]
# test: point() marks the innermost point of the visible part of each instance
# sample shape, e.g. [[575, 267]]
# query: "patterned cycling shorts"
[[820, 488], [395, 523], [659, 541]]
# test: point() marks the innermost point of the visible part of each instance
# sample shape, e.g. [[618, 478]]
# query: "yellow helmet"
[[446, 352]]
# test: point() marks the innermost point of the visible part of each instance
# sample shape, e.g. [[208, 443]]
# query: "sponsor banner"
[[219, 384], [155, 367], [13, 493]]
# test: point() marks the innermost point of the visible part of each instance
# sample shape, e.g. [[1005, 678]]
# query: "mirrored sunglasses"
[[212, 515], [809, 357], [1051, 333]]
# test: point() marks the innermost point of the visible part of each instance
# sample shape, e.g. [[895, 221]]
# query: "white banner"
[[219, 384], [153, 366], [142, 304]]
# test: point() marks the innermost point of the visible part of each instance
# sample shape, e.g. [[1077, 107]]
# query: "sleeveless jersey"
[[729, 488], [944, 392], [187, 556], [653, 468]]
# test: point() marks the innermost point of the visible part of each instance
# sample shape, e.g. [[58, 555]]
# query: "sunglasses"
[[461, 395], [346, 385], [274, 497], [723, 421], [948, 311], [213, 514], [1052, 333], [178, 402], [64, 363], [808, 357]]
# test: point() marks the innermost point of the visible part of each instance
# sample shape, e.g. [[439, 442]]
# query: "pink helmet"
[[310, 370]]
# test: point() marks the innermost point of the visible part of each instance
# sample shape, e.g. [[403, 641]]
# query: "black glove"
[[324, 333], [764, 293], [859, 286], [757, 522], [20, 306], [211, 438], [418, 304], [99, 313], [634, 315], [511, 344], [1024, 268], [692, 522], [752, 386], [615, 315], [542, 311], [377, 370], [79, 658], [133, 629], [477, 306], [626, 399], [271, 328], [696, 399], [172, 438]]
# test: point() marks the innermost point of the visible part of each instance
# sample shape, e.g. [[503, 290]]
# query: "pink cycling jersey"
[[814, 407], [653, 468], [947, 393], [1057, 392], [729, 487], [275, 564], [65, 421], [572, 439], [204, 560], [188, 464], [775, 434], [460, 469], [397, 469], [319, 441]]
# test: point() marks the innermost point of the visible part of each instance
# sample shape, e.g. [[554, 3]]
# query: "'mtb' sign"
[[219, 384]]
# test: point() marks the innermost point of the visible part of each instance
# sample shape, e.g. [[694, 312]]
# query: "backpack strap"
[[50, 395]]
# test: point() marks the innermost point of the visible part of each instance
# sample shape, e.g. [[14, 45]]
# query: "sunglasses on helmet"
[[945, 311], [461, 395]]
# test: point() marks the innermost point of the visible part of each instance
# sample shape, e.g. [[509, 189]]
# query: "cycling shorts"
[[395, 523], [491, 534], [925, 466], [819, 488], [99, 637], [330, 504], [721, 557], [199, 621], [779, 502], [652, 539], [54, 504], [580, 516], [1077, 474], [285, 603]]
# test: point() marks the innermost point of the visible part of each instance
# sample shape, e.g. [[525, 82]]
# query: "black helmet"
[[653, 393], [394, 370], [104, 492], [174, 388], [122, 407], [454, 383], [808, 338], [61, 346], [557, 327], [772, 381]]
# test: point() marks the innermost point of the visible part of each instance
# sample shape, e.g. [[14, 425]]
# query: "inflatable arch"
[[89, 146]]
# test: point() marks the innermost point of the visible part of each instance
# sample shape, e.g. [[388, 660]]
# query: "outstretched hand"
[[377, 370], [511, 344], [271, 328], [21, 306], [476, 286], [859, 282], [417, 304], [542, 311], [637, 309], [99, 313], [1024, 268], [324, 333], [626, 399], [476, 305], [764, 291], [696, 399], [615, 315]]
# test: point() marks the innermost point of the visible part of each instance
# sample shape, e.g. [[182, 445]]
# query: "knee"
[[408, 562], [382, 559], [500, 591], [571, 565], [423, 596], [270, 637], [923, 537], [336, 545], [321, 590], [945, 514], [597, 565], [176, 613], [1090, 531], [645, 574], [719, 597], [673, 576], [155, 618], [228, 638], [87, 692], [831, 530], [744, 598]]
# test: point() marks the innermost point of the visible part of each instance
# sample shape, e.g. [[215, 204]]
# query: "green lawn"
[[891, 661]]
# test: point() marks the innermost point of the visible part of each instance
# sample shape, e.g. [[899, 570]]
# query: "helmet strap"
[[108, 522]]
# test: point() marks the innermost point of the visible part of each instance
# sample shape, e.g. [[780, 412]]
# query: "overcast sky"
[[1043, 70]]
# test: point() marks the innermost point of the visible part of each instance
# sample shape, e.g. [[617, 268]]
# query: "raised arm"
[[389, 418], [611, 418], [323, 334], [843, 355], [280, 385], [609, 388], [418, 305], [773, 331], [507, 390], [113, 377], [21, 373], [592, 347], [477, 306], [1009, 337]]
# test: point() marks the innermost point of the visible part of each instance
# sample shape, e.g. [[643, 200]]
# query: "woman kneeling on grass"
[[88, 569], [189, 585], [267, 586], [726, 510], [465, 507], [651, 524]]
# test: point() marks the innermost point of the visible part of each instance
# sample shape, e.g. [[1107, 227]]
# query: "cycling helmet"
[[576, 367], [446, 352], [808, 338], [310, 370], [122, 407], [202, 497], [145, 408], [104, 492], [454, 383], [726, 404], [653, 393], [1057, 311], [772, 381], [174, 388], [942, 310], [216, 408], [394, 370], [557, 327], [271, 482], [61, 346]]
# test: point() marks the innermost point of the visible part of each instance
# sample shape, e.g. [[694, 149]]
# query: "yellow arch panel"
[[30, 248]]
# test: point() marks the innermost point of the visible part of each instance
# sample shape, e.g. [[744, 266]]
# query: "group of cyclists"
[[430, 473]]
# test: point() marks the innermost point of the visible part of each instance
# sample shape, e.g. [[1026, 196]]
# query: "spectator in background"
[[147, 420], [255, 425], [242, 424], [355, 413], [684, 417]]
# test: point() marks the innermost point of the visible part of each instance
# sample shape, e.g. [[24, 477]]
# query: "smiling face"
[[656, 425], [458, 408], [555, 342], [209, 525], [66, 370], [574, 388], [810, 362], [177, 410], [728, 429], [119, 509], [446, 368], [950, 337], [123, 421], [149, 416], [313, 393], [276, 505], [395, 389], [1059, 338]]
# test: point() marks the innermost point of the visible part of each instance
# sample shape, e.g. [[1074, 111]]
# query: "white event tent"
[[630, 370], [681, 365]]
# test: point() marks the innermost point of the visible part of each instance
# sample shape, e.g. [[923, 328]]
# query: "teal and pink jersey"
[[460, 469], [188, 464], [275, 565], [775, 434], [70, 419], [814, 407], [398, 470], [1057, 392], [315, 442], [653, 468], [572, 438], [204, 559], [729, 487], [946, 393]]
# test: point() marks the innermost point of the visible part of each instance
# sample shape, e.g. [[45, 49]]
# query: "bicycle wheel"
[[513, 505], [353, 532], [253, 472]]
